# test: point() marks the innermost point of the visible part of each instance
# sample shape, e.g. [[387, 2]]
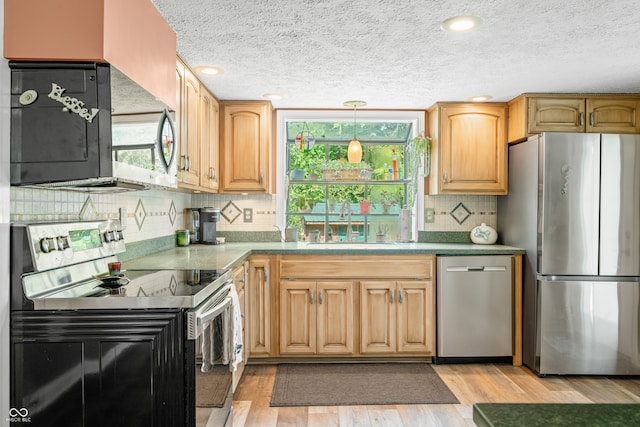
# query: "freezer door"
[[620, 211], [588, 327], [569, 220]]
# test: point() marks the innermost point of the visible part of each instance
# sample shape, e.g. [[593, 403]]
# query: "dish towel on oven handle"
[[236, 322], [207, 347]]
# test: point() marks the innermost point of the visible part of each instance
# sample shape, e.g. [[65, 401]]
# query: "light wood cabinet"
[[469, 148], [396, 317], [532, 113], [188, 159], [240, 278], [245, 146], [258, 295], [209, 140], [316, 317], [356, 305]]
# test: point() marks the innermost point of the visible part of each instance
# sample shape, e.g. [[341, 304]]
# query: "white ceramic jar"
[[484, 235]]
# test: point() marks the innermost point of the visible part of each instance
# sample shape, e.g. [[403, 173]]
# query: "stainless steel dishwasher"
[[474, 309]]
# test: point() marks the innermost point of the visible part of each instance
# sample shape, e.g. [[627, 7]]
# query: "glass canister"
[[182, 237]]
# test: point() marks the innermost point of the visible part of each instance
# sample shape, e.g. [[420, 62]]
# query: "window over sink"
[[324, 193]]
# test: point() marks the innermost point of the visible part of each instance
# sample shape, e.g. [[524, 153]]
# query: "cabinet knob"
[[592, 118], [320, 297], [445, 178], [400, 297], [581, 119], [391, 297], [311, 297]]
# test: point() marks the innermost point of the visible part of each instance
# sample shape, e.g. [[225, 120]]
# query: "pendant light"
[[354, 152]]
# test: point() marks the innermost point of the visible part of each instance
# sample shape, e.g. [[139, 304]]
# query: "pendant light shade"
[[354, 152]]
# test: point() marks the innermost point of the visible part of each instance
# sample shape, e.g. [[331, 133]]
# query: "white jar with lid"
[[484, 235]]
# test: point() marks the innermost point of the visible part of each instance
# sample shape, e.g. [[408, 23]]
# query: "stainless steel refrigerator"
[[574, 205]]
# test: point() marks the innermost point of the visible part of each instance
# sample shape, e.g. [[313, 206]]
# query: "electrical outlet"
[[123, 217], [429, 215], [247, 213]]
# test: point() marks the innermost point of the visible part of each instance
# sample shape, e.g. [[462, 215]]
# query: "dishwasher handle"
[[477, 268]]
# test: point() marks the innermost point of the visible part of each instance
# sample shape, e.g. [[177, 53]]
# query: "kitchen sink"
[[351, 245]]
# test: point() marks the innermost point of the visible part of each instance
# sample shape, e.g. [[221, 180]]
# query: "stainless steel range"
[[92, 349]]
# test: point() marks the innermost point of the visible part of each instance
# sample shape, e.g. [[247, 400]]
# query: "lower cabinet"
[[397, 317], [240, 275], [99, 368], [258, 295], [316, 317], [355, 306]]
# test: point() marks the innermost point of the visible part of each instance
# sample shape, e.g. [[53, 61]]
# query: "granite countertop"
[[226, 255], [556, 414]]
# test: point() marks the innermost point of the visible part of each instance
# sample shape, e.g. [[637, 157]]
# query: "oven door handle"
[[211, 313], [197, 318]]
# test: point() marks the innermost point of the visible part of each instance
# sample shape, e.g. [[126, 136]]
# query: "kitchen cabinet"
[[188, 155], [209, 140], [258, 295], [316, 317], [396, 317], [99, 368], [356, 305], [468, 148], [245, 146], [240, 277], [533, 113]]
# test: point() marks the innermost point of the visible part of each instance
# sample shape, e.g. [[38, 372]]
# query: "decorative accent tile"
[[140, 214], [172, 212], [460, 213], [88, 210], [230, 212]]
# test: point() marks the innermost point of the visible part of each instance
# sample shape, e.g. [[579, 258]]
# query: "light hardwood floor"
[[470, 383]]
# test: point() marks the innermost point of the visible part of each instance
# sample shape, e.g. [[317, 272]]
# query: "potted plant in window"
[[341, 170], [304, 204], [388, 199]]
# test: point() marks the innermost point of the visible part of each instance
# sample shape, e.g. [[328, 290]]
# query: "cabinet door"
[[240, 281], [377, 317], [556, 115], [473, 149], [298, 302], [246, 147], [99, 368], [259, 295], [335, 308], [416, 317], [189, 160], [209, 140], [613, 115]]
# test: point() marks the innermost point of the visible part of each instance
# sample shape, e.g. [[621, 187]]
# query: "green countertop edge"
[[444, 237], [228, 255], [556, 414]]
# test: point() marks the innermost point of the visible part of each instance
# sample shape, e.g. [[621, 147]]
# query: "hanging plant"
[[420, 150]]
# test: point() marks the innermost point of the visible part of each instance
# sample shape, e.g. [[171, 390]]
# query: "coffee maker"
[[207, 231]]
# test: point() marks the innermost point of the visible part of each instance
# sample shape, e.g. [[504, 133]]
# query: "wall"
[[460, 213], [4, 229], [150, 214]]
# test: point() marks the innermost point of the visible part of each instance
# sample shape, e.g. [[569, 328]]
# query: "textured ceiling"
[[393, 54]]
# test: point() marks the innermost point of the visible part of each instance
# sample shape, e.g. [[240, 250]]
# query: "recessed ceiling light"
[[459, 24], [272, 96], [480, 98], [209, 70]]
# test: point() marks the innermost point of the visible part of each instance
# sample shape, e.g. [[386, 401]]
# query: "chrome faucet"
[[349, 230]]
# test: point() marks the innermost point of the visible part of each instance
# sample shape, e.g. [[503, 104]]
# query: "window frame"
[[417, 118]]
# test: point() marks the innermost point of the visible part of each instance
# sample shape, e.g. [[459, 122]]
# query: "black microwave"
[[61, 131]]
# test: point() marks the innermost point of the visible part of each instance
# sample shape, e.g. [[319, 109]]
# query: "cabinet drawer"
[[330, 266]]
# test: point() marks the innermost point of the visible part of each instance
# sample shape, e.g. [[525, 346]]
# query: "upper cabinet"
[[535, 113], [197, 120], [245, 146], [469, 148]]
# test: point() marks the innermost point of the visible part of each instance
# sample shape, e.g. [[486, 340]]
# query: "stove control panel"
[[56, 245]]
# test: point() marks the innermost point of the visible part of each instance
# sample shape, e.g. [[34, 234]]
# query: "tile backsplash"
[[460, 212], [149, 214], [157, 213]]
